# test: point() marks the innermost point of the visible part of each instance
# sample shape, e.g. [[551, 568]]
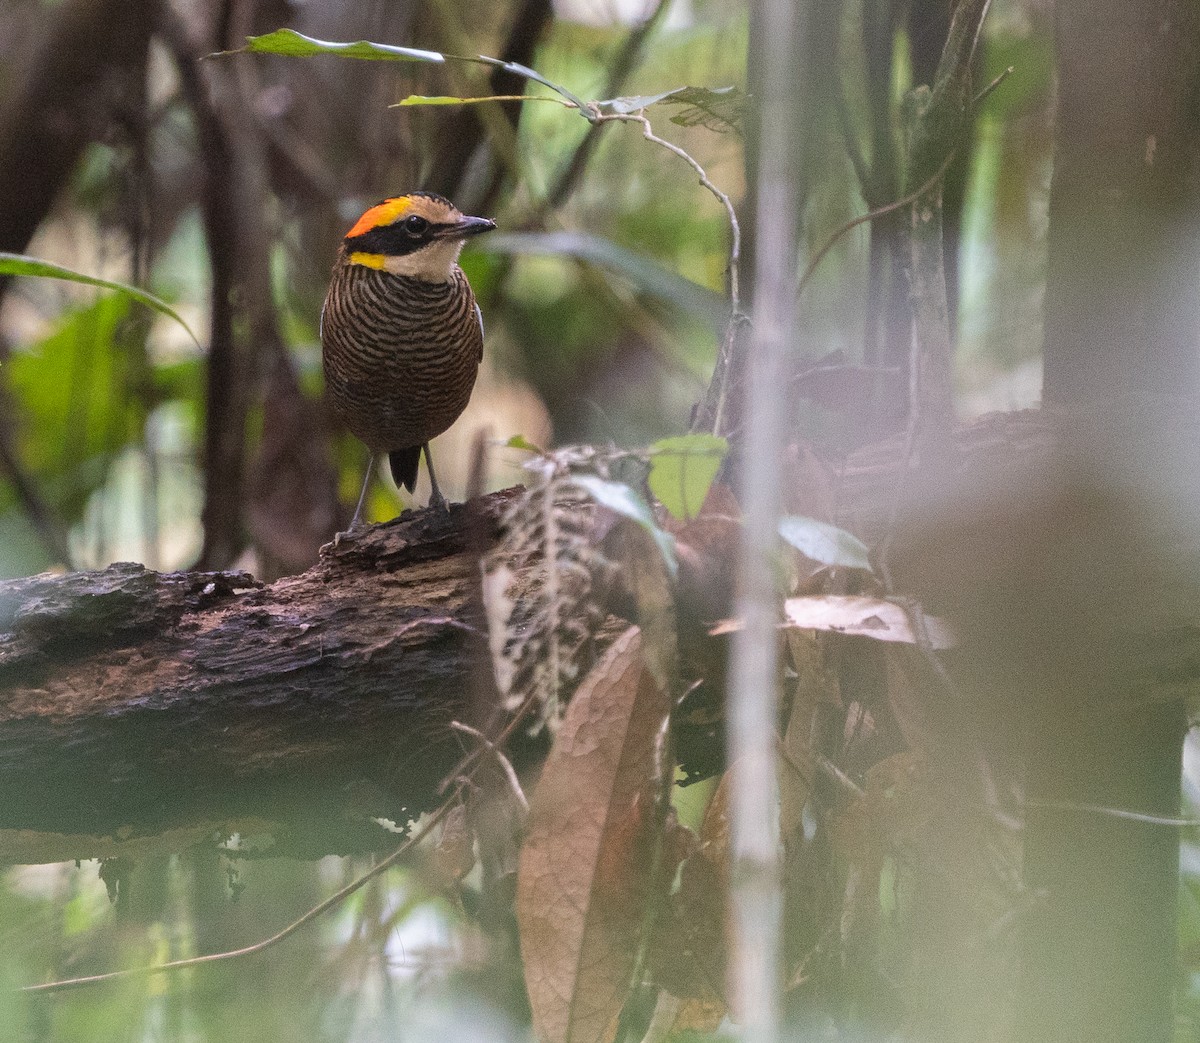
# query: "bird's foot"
[[349, 536], [438, 502]]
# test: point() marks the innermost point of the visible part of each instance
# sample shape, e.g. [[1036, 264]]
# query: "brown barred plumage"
[[401, 334]]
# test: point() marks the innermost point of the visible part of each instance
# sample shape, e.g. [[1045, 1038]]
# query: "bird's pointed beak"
[[468, 226]]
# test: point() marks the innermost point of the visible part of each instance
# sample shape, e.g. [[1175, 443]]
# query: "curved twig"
[[196, 961], [903, 201], [871, 215]]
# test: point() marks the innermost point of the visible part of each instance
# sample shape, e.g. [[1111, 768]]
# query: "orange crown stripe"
[[382, 214]]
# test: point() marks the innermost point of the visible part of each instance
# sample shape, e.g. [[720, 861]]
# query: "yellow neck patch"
[[382, 214], [369, 260]]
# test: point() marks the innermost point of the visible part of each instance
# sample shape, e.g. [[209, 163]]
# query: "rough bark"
[[133, 702]]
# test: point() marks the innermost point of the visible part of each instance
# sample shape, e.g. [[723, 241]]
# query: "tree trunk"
[[72, 81], [1121, 325]]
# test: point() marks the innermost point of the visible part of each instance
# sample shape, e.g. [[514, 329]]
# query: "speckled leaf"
[[865, 617], [583, 879]]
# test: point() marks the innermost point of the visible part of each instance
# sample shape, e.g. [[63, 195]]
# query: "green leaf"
[[443, 99], [537, 77], [619, 497], [292, 44], [682, 469], [825, 543], [18, 264], [521, 442]]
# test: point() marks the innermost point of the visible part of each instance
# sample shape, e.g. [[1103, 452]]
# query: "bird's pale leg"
[[436, 499], [356, 522]]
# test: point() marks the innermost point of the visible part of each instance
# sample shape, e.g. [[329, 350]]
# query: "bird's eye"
[[415, 225]]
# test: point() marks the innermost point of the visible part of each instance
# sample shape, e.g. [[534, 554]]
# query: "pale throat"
[[432, 263]]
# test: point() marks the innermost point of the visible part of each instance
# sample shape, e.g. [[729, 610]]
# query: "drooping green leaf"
[[619, 497], [682, 469], [291, 44], [825, 543], [19, 264], [532, 74]]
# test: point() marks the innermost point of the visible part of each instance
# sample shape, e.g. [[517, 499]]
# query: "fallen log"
[[295, 714], [181, 708]]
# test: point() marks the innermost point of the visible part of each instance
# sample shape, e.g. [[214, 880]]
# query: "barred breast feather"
[[400, 354]]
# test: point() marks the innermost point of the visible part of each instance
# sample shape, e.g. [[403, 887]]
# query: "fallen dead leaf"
[[583, 881], [855, 615]]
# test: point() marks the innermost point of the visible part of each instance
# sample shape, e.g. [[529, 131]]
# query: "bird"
[[401, 333]]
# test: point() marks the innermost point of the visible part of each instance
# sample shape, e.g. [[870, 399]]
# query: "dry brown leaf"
[[858, 616], [863, 617], [584, 874]]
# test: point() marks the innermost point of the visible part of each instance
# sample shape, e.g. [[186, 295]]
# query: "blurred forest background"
[[224, 187]]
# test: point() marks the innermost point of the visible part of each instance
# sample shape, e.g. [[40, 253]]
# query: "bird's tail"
[[404, 464]]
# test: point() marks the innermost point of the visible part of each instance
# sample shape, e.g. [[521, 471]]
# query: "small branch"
[[1121, 813], [984, 94], [722, 368], [467, 762], [505, 764], [196, 961], [872, 215], [735, 230]]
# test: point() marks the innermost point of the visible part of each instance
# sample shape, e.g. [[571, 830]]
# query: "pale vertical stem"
[[756, 899]]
